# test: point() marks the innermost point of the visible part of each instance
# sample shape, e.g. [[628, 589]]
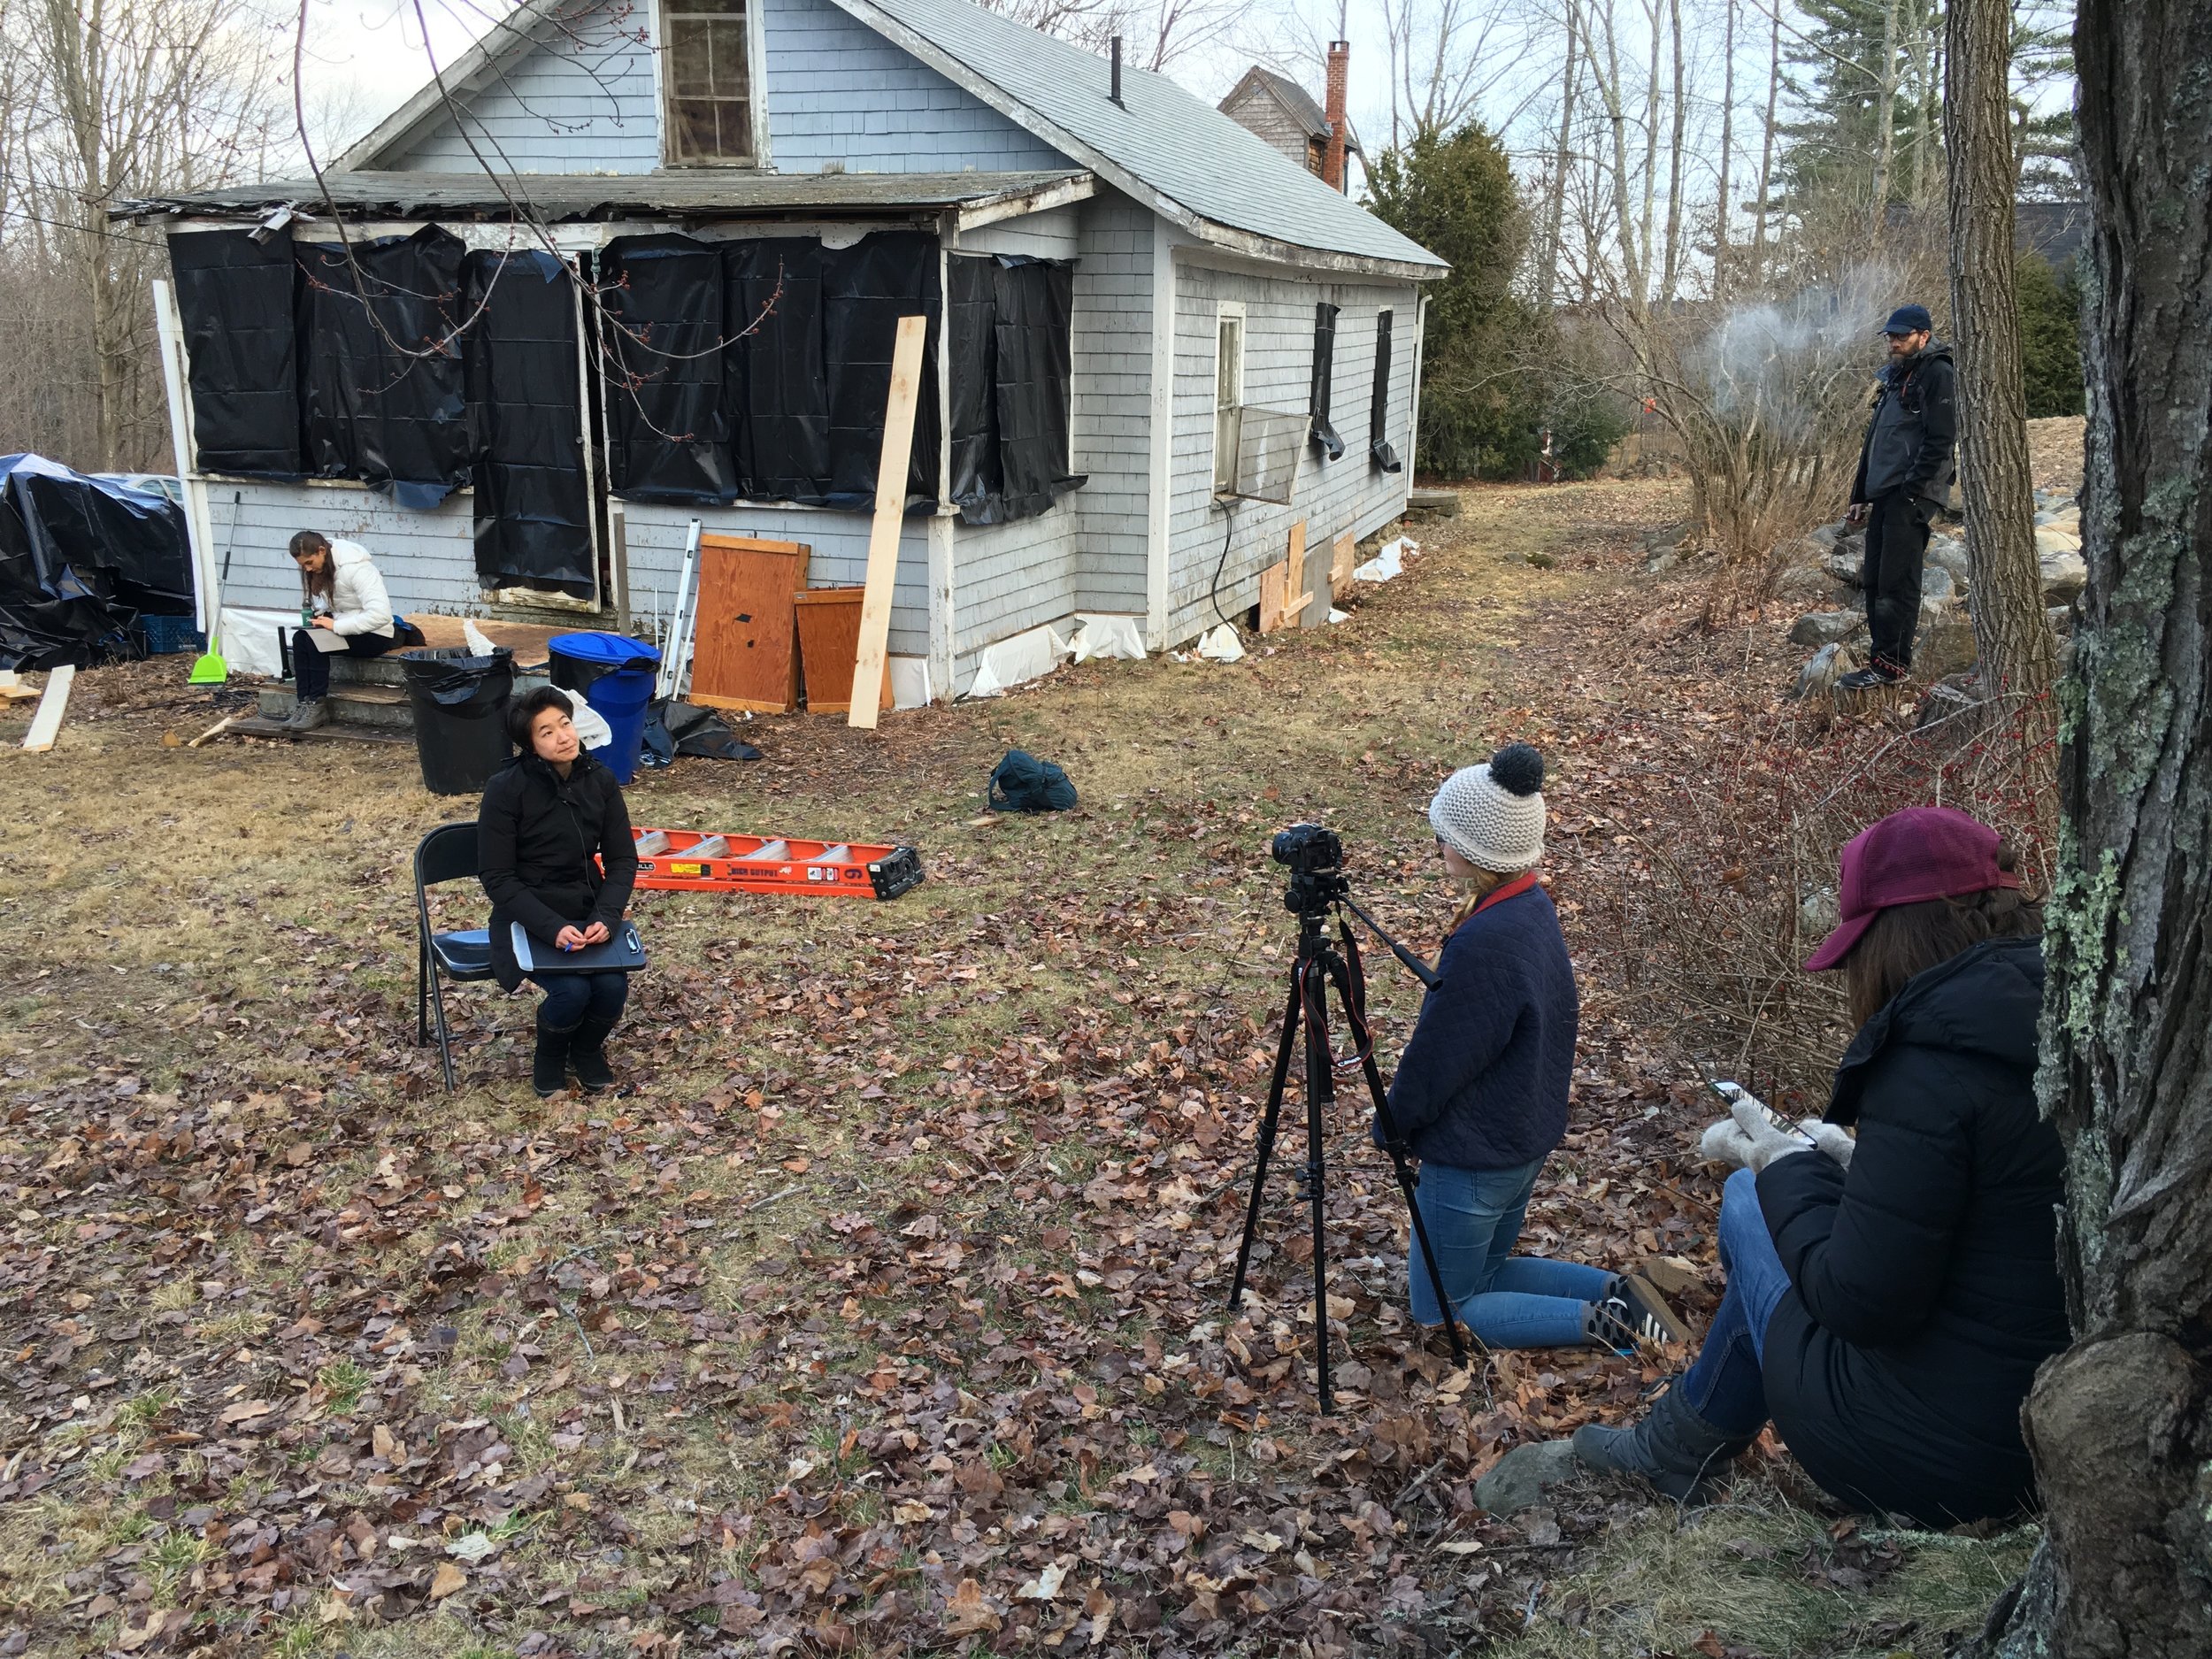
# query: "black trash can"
[[460, 704]]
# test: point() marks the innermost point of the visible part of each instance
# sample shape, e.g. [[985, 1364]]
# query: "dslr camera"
[[1315, 857]]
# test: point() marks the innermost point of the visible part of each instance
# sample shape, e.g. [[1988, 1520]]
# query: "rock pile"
[[1824, 570]]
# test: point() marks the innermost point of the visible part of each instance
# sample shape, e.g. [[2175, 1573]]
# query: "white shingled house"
[[636, 264]]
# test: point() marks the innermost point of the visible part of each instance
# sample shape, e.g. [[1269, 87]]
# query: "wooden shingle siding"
[[840, 92], [1008, 576], [1051, 235], [656, 533], [1332, 498], [428, 559], [1111, 346]]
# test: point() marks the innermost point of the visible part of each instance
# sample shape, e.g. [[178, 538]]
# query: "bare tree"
[[1766, 148], [1563, 160], [2120, 1424], [1444, 59], [1885, 118], [2011, 635], [1674, 159], [1726, 207]]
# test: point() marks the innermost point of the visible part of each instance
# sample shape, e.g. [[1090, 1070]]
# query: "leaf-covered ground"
[[887, 1312]]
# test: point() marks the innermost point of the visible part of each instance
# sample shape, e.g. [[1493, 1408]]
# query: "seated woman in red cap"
[[1890, 1297]]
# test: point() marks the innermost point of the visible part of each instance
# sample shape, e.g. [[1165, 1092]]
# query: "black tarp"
[[1320, 432], [383, 397], [533, 507], [669, 431], [1379, 446], [235, 295], [866, 289], [81, 559], [972, 361], [778, 388], [1011, 355]]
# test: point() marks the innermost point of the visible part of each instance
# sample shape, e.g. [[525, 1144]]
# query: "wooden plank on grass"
[[46, 724], [870, 660]]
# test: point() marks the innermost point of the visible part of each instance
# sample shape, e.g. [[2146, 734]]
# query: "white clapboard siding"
[[428, 559], [1112, 353], [1332, 498]]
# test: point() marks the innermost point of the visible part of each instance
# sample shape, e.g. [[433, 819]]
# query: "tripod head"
[[1315, 855]]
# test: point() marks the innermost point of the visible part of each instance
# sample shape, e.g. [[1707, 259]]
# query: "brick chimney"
[[1339, 71]]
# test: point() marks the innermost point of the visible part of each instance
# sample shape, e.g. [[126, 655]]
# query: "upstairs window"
[[706, 65]]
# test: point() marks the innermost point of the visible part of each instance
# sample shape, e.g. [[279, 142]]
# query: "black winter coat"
[[1924, 1282], [1911, 434], [536, 835]]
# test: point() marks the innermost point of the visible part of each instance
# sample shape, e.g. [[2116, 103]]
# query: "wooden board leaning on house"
[[1342, 557], [1282, 601], [745, 652], [829, 645]]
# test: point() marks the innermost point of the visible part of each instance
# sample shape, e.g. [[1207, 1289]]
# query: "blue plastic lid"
[[614, 649]]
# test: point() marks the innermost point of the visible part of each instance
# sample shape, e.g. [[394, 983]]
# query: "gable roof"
[[1171, 151], [1297, 102]]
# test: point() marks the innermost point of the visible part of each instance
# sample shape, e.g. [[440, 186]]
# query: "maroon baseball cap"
[[1924, 852]]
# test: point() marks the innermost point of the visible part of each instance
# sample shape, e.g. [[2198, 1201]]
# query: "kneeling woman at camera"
[[1480, 1095], [545, 814]]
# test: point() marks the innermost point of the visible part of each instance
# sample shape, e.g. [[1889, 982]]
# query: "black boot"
[[549, 1065], [587, 1054], [1673, 1447]]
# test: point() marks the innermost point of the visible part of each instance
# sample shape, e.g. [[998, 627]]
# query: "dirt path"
[[887, 1312]]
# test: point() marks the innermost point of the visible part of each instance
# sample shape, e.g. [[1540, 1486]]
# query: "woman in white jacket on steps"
[[341, 594]]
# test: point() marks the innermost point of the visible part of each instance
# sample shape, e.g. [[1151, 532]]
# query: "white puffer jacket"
[[358, 604]]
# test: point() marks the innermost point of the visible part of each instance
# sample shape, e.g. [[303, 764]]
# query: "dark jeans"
[[1725, 1383], [1896, 545], [310, 669], [572, 998]]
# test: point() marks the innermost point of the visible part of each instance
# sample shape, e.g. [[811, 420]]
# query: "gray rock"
[[2064, 573], [1936, 585], [1945, 646], [2062, 618], [1660, 563], [1521, 1477], [1811, 585], [1847, 563], [1827, 665], [1948, 553], [1826, 627]]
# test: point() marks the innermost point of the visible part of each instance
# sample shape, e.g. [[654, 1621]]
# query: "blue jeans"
[[572, 998], [1473, 1217], [1725, 1383]]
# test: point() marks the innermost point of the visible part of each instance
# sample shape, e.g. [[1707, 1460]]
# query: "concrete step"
[[362, 703]]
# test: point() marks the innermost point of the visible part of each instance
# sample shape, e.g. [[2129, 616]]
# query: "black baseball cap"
[[1909, 320]]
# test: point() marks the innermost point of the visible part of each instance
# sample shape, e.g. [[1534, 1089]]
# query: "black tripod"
[[1318, 964]]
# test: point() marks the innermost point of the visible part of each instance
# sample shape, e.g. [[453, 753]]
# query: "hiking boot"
[[306, 716], [549, 1063], [1872, 679], [1674, 1449], [587, 1055]]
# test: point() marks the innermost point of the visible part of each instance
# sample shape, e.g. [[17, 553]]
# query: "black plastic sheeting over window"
[[81, 560], [1322, 433], [1379, 448], [866, 289], [235, 295], [1009, 322], [668, 431], [383, 396], [774, 374], [532, 509]]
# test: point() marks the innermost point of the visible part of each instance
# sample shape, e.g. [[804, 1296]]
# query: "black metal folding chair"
[[447, 854]]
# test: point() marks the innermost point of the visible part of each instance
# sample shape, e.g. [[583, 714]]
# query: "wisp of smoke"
[[1772, 364]]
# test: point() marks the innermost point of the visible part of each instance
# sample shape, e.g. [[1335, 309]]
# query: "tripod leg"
[[1266, 1149], [1320, 1093], [1341, 975]]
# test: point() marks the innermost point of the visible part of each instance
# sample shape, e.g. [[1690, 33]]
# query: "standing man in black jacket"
[[1905, 470]]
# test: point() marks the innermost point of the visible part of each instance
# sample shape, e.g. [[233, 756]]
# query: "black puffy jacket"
[[1911, 434], [1924, 1282], [536, 835]]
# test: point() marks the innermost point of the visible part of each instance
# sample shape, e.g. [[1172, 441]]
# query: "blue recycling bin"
[[616, 675]]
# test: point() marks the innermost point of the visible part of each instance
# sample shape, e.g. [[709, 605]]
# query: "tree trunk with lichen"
[[2121, 1424]]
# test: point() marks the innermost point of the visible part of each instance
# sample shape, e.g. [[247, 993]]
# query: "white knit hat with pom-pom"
[[1492, 814]]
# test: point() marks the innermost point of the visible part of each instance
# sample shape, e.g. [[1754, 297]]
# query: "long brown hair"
[[1908, 940], [323, 584]]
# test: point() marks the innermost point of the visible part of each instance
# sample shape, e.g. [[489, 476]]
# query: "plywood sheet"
[[829, 645], [745, 652]]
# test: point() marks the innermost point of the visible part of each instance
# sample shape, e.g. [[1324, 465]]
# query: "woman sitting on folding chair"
[[545, 814]]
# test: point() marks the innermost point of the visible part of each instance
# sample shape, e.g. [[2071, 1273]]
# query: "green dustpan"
[[209, 668]]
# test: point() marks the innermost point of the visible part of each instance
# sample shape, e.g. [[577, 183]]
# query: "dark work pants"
[[310, 669], [1896, 545], [572, 998]]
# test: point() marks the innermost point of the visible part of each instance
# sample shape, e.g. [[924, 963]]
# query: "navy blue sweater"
[[1482, 1084]]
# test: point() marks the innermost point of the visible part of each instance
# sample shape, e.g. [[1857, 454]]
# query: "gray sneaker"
[[307, 716]]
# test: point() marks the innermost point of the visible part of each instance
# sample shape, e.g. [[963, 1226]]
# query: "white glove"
[[1747, 1138], [1832, 1139]]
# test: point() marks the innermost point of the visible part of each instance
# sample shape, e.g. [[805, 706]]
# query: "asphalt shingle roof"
[[1163, 136]]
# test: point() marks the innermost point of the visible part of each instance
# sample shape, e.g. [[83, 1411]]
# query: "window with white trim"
[[707, 81], [1228, 394]]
